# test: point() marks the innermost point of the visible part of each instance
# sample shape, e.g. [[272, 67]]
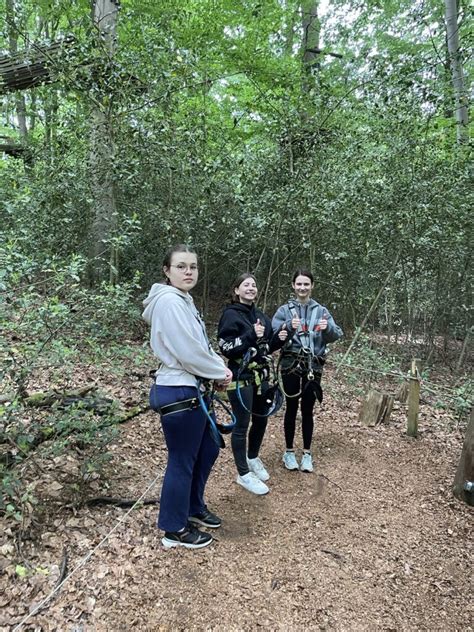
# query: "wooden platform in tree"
[[31, 68], [11, 147]]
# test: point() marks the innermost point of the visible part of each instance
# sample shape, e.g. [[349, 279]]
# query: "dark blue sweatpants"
[[191, 455]]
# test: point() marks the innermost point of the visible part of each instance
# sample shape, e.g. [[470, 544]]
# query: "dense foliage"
[[220, 129], [269, 135]]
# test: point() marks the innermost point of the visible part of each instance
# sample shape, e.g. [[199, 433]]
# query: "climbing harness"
[[304, 361], [270, 390], [204, 392]]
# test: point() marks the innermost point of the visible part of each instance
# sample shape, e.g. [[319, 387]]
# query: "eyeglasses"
[[183, 267]]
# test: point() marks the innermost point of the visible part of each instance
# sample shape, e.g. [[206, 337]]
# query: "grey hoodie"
[[309, 314], [178, 338]]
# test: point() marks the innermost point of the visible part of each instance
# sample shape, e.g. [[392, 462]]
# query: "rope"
[[86, 558], [449, 393], [213, 424]]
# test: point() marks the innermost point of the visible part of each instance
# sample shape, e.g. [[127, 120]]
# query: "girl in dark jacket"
[[242, 327]]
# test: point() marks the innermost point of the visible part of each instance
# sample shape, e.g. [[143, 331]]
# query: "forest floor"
[[372, 540]]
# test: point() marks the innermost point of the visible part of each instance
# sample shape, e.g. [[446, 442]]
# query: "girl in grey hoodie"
[[179, 341], [311, 328]]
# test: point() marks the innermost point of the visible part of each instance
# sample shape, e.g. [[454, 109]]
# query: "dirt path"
[[373, 540]]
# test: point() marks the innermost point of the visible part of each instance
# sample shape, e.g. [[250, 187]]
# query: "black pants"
[[255, 403], [294, 383]]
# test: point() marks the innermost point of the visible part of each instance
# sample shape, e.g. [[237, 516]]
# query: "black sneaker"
[[206, 519], [191, 538]]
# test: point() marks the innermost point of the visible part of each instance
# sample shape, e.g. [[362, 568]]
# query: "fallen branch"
[[99, 405], [48, 398], [63, 569], [335, 554], [119, 502]]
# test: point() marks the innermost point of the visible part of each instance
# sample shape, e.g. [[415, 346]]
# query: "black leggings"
[[257, 404], [294, 383]]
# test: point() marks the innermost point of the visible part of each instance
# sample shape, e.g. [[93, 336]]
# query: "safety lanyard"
[[277, 396], [210, 412]]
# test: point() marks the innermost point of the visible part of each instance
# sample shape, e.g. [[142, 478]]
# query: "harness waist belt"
[[303, 354], [185, 404]]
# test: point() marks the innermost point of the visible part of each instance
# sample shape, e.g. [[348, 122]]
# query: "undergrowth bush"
[[51, 322]]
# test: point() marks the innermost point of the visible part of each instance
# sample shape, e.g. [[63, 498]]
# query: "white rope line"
[[405, 376], [362, 368], [86, 558]]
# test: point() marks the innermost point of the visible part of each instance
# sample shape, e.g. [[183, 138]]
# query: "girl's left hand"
[[322, 324], [283, 333]]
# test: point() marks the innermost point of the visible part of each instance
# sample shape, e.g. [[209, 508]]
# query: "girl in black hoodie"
[[242, 326]]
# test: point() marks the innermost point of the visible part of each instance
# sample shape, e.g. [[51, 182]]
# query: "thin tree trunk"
[[310, 43], [460, 97], [205, 287], [102, 158], [464, 347], [290, 31], [360, 329], [20, 102]]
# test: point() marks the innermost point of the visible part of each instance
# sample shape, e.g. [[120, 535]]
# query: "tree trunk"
[[310, 43], [103, 255], [460, 97], [290, 29], [20, 103], [465, 471]]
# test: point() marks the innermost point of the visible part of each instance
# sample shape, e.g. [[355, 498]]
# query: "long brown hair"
[[237, 282]]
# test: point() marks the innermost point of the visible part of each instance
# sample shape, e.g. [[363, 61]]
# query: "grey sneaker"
[[251, 483], [306, 462], [289, 460], [256, 466]]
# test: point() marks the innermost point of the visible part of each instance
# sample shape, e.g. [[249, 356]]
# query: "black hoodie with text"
[[237, 335]]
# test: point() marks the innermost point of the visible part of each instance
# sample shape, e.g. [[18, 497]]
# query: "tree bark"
[[103, 255], [460, 97], [310, 44], [290, 29], [20, 102], [465, 471]]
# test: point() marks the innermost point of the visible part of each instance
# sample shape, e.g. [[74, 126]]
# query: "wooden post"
[[413, 400]]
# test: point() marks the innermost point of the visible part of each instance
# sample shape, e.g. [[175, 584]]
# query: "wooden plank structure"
[[28, 69], [376, 408], [10, 147]]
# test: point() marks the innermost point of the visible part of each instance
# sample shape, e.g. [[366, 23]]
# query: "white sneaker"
[[306, 463], [256, 466], [252, 484], [289, 459]]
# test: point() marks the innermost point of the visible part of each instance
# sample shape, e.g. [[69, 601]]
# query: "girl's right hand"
[[295, 322], [223, 384]]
